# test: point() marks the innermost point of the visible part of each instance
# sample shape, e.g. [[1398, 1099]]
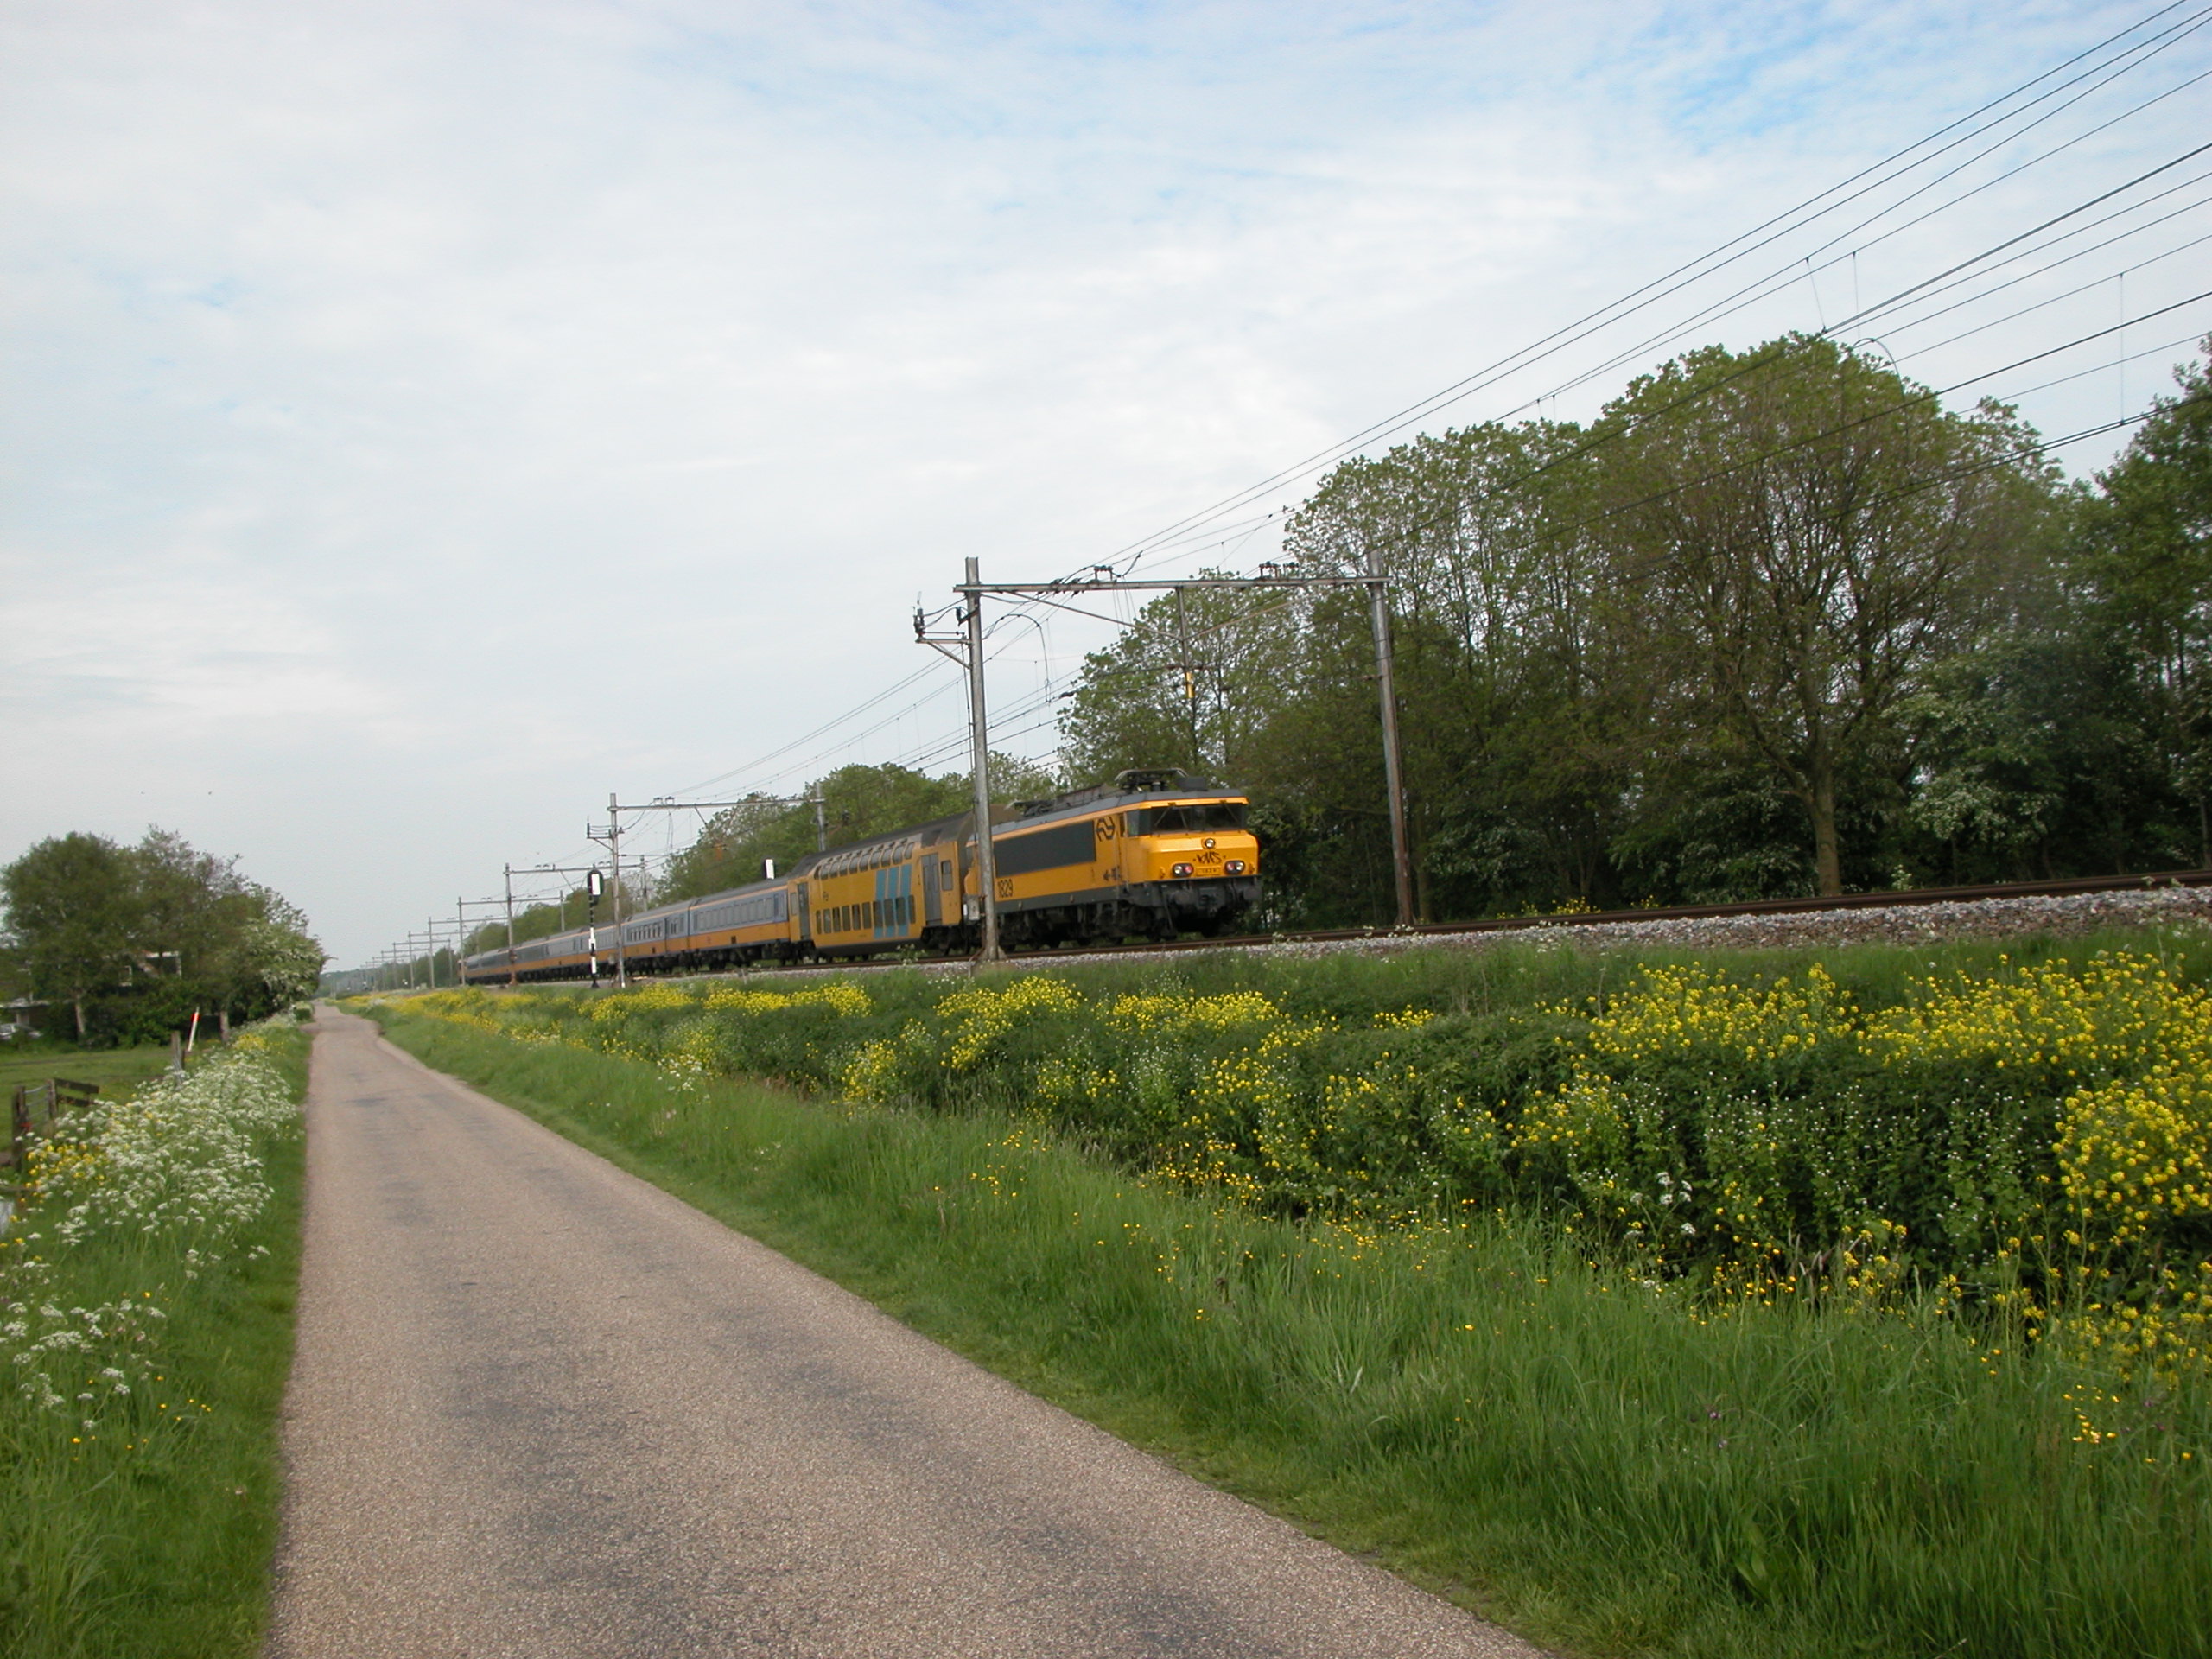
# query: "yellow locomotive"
[[1153, 855]]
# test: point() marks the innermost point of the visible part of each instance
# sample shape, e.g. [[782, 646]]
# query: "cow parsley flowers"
[[174, 1171]]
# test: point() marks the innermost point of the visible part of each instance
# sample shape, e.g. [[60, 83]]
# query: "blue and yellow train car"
[[1154, 854]]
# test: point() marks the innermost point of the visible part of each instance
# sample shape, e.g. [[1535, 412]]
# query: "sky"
[[423, 421]]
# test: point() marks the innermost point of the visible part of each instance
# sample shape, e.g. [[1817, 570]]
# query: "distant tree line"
[[857, 802], [132, 940], [1776, 622]]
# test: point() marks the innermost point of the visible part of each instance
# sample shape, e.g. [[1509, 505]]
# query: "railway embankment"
[[1659, 1298], [1908, 921], [1999, 914]]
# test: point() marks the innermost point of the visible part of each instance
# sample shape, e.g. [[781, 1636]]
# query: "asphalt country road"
[[541, 1407]]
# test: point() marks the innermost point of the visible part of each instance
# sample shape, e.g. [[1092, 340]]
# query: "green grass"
[[152, 1535], [1791, 1129], [117, 1070], [1520, 970], [1591, 1461]]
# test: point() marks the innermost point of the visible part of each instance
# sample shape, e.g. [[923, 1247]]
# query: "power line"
[[2079, 253], [2102, 70], [1682, 275], [1788, 275], [830, 725]]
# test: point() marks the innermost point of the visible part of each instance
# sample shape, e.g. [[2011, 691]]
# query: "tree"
[[275, 946], [1191, 683], [72, 915], [1519, 712], [858, 802], [2146, 570], [1812, 533], [132, 936]]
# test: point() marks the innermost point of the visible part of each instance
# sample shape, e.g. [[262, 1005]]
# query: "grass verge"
[[1599, 1463], [149, 1531], [117, 1070]]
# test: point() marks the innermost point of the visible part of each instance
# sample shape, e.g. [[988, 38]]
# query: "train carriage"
[[1153, 855]]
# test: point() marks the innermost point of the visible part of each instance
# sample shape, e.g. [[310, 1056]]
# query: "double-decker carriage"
[[1153, 855]]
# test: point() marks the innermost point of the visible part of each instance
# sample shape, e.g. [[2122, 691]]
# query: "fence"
[[35, 1100]]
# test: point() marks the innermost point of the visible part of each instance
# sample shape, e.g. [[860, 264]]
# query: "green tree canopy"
[[1733, 639], [92, 922], [732, 847], [2145, 571], [73, 917], [1810, 534]]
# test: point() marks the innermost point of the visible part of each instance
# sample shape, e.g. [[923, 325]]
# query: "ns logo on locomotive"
[[1155, 854]]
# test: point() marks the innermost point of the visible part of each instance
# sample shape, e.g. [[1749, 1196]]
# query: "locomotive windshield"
[[1189, 820]]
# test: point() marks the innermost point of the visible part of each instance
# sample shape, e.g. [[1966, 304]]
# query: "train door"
[[931, 888], [804, 931]]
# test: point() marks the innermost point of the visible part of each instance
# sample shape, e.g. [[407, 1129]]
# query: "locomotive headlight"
[[1180, 869], [1235, 866], [1207, 843]]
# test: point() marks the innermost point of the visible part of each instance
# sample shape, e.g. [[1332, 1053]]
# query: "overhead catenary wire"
[[2065, 236], [1184, 537], [1004, 727], [1682, 275], [1789, 276], [2103, 67]]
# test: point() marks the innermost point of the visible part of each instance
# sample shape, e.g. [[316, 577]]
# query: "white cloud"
[[465, 409]]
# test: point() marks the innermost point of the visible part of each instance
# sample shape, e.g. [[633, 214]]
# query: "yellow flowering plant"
[[2033, 1141]]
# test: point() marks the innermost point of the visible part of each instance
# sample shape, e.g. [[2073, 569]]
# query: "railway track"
[[1888, 900], [1568, 922]]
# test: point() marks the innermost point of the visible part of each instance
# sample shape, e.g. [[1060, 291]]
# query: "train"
[[1155, 853]]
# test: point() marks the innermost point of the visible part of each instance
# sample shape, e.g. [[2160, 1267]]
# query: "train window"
[[944, 871], [1189, 820]]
